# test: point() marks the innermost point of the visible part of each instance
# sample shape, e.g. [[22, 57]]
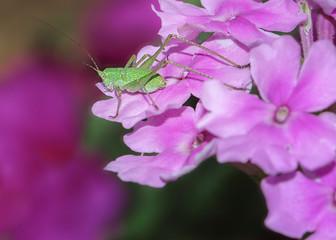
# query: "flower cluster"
[[269, 105]]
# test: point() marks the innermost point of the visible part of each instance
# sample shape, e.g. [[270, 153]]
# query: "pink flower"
[[299, 203], [180, 83], [48, 189], [244, 20], [180, 148], [278, 131]]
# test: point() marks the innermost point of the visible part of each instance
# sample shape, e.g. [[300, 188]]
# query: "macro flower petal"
[[265, 146], [146, 170], [156, 171], [275, 68], [316, 87], [231, 112], [276, 15], [175, 14], [227, 9], [247, 33], [313, 140], [163, 132], [326, 228], [328, 6], [180, 148], [295, 203]]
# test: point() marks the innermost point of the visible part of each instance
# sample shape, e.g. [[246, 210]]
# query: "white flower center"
[[198, 140], [281, 114]]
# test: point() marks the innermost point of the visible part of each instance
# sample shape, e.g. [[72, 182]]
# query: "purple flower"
[[244, 20], [48, 189], [278, 131], [180, 148], [180, 83], [299, 203]]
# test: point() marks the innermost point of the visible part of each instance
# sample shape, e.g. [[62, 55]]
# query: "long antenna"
[[68, 37]]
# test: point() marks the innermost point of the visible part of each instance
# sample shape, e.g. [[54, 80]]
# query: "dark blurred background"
[[53, 150]]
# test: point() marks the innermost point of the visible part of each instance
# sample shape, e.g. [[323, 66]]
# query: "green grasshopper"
[[137, 77]]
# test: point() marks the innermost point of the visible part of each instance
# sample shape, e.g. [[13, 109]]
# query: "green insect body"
[[128, 79], [137, 76]]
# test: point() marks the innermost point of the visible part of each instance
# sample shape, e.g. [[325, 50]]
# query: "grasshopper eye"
[[103, 76]]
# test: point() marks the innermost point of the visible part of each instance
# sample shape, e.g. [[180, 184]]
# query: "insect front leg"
[[119, 101]]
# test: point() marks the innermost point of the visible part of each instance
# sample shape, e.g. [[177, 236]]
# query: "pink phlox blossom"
[[299, 203], [248, 21], [181, 83], [178, 145], [278, 131]]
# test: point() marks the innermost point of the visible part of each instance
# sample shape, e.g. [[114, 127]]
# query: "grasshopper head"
[[106, 78], [102, 75]]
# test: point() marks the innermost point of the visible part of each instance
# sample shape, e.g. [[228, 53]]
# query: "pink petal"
[[328, 6], [196, 157], [156, 171], [176, 13], [175, 129], [199, 111], [324, 27], [295, 204], [275, 68], [246, 32], [326, 229], [276, 15], [327, 175], [231, 112], [173, 135], [266, 146], [228, 8], [316, 88], [329, 117], [105, 90], [314, 140], [147, 170], [137, 106]]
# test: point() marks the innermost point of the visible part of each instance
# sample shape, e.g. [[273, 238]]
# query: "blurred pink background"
[[52, 185]]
